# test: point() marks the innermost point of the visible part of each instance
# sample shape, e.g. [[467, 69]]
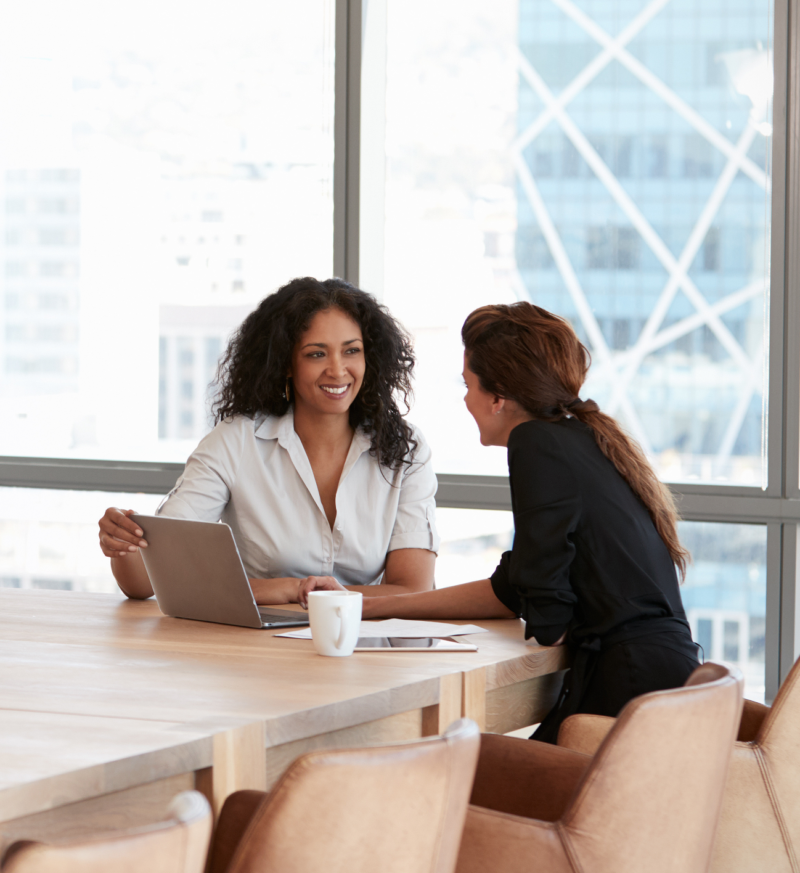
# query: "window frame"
[[777, 506]]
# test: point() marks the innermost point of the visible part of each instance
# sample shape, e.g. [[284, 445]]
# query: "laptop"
[[196, 572]]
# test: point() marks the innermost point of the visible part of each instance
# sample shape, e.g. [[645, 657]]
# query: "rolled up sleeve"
[[415, 523], [502, 587], [538, 570]]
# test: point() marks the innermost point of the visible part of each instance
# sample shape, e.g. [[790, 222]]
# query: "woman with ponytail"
[[596, 555]]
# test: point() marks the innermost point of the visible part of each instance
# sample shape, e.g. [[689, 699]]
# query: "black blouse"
[[586, 556]]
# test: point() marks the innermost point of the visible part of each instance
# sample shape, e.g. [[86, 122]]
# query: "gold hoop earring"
[[287, 391]]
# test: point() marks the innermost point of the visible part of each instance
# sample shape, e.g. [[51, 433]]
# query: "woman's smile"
[[335, 391]]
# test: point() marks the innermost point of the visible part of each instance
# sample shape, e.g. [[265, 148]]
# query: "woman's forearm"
[[469, 601], [275, 592], [131, 576], [383, 590]]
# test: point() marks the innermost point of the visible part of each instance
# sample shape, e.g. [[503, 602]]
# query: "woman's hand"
[[119, 536], [316, 583], [122, 538]]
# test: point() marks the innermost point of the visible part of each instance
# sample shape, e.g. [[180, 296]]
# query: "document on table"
[[400, 627]]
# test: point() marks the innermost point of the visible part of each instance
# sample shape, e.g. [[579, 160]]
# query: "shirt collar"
[[278, 427], [281, 428]]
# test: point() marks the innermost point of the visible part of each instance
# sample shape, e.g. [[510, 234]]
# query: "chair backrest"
[[389, 808], [178, 844], [651, 798], [779, 741]]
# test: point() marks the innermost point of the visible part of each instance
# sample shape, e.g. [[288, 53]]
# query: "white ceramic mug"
[[335, 618]]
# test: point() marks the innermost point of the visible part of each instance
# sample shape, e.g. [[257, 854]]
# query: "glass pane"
[[725, 595], [48, 539], [608, 160], [163, 166], [472, 542]]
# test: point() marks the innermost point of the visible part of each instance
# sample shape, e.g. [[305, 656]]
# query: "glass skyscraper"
[[643, 206]]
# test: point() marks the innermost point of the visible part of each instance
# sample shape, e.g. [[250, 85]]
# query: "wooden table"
[[108, 708]]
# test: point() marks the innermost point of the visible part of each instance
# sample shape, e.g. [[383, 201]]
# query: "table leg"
[[239, 762], [473, 696], [437, 718]]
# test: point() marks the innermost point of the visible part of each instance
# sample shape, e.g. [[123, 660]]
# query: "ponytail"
[[629, 459]]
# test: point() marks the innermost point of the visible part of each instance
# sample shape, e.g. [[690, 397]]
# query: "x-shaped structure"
[[618, 368]]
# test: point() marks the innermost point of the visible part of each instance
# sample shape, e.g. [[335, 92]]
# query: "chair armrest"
[[525, 777], [498, 841], [584, 733], [753, 715], [237, 812]]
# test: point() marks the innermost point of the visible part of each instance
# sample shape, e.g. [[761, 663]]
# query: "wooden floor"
[[108, 708]]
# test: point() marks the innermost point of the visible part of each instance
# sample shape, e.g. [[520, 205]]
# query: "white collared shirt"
[[254, 475]]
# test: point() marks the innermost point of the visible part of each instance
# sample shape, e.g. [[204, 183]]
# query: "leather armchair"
[[177, 845], [397, 809], [759, 828], [649, 799]]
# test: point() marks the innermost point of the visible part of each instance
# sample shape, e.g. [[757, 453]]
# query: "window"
[[633, 187], [58, 236], [725, 595], [505, 151], [173, 134], [48, 539], [472, 543]]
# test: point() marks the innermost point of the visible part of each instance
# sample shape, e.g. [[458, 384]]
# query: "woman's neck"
[[511, 415], [322, 433]]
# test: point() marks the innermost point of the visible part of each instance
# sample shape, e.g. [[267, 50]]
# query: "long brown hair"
[[526, 354]]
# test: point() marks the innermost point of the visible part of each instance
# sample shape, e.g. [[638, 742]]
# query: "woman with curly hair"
[[311, 462], [596, 554]]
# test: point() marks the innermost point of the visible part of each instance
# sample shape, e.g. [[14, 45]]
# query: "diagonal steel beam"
[[589, 72], [740, 411], [634, 214], [642, 347], [561, 259], [570, 279], [648, 78], [692, 322]]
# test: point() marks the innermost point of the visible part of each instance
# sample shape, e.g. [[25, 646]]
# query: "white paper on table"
[[401, 627]]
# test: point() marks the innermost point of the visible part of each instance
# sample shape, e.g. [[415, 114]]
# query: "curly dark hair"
[[252, 373]]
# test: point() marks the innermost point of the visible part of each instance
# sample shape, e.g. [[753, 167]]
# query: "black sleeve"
[[533, 578]]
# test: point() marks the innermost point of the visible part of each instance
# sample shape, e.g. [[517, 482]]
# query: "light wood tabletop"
[[107, 706]]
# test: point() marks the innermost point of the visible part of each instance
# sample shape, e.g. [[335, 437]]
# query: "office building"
[[642, 183], [41, 260]]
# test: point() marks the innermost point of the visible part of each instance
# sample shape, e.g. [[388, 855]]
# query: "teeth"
[[334, 390]]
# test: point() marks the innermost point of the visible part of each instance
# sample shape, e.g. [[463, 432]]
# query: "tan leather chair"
[[397, 809], [647, 801], [177, 845], [759, 828]]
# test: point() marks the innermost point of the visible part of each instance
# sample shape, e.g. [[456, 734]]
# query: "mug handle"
[[342, 628]]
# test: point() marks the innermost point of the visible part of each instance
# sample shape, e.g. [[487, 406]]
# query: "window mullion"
[[786, 225], [347, 139]]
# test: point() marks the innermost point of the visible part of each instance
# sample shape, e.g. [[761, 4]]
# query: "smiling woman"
[[311, 462], [327, 373]]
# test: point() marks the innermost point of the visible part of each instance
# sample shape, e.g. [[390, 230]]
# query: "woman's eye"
[[354, 351]]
